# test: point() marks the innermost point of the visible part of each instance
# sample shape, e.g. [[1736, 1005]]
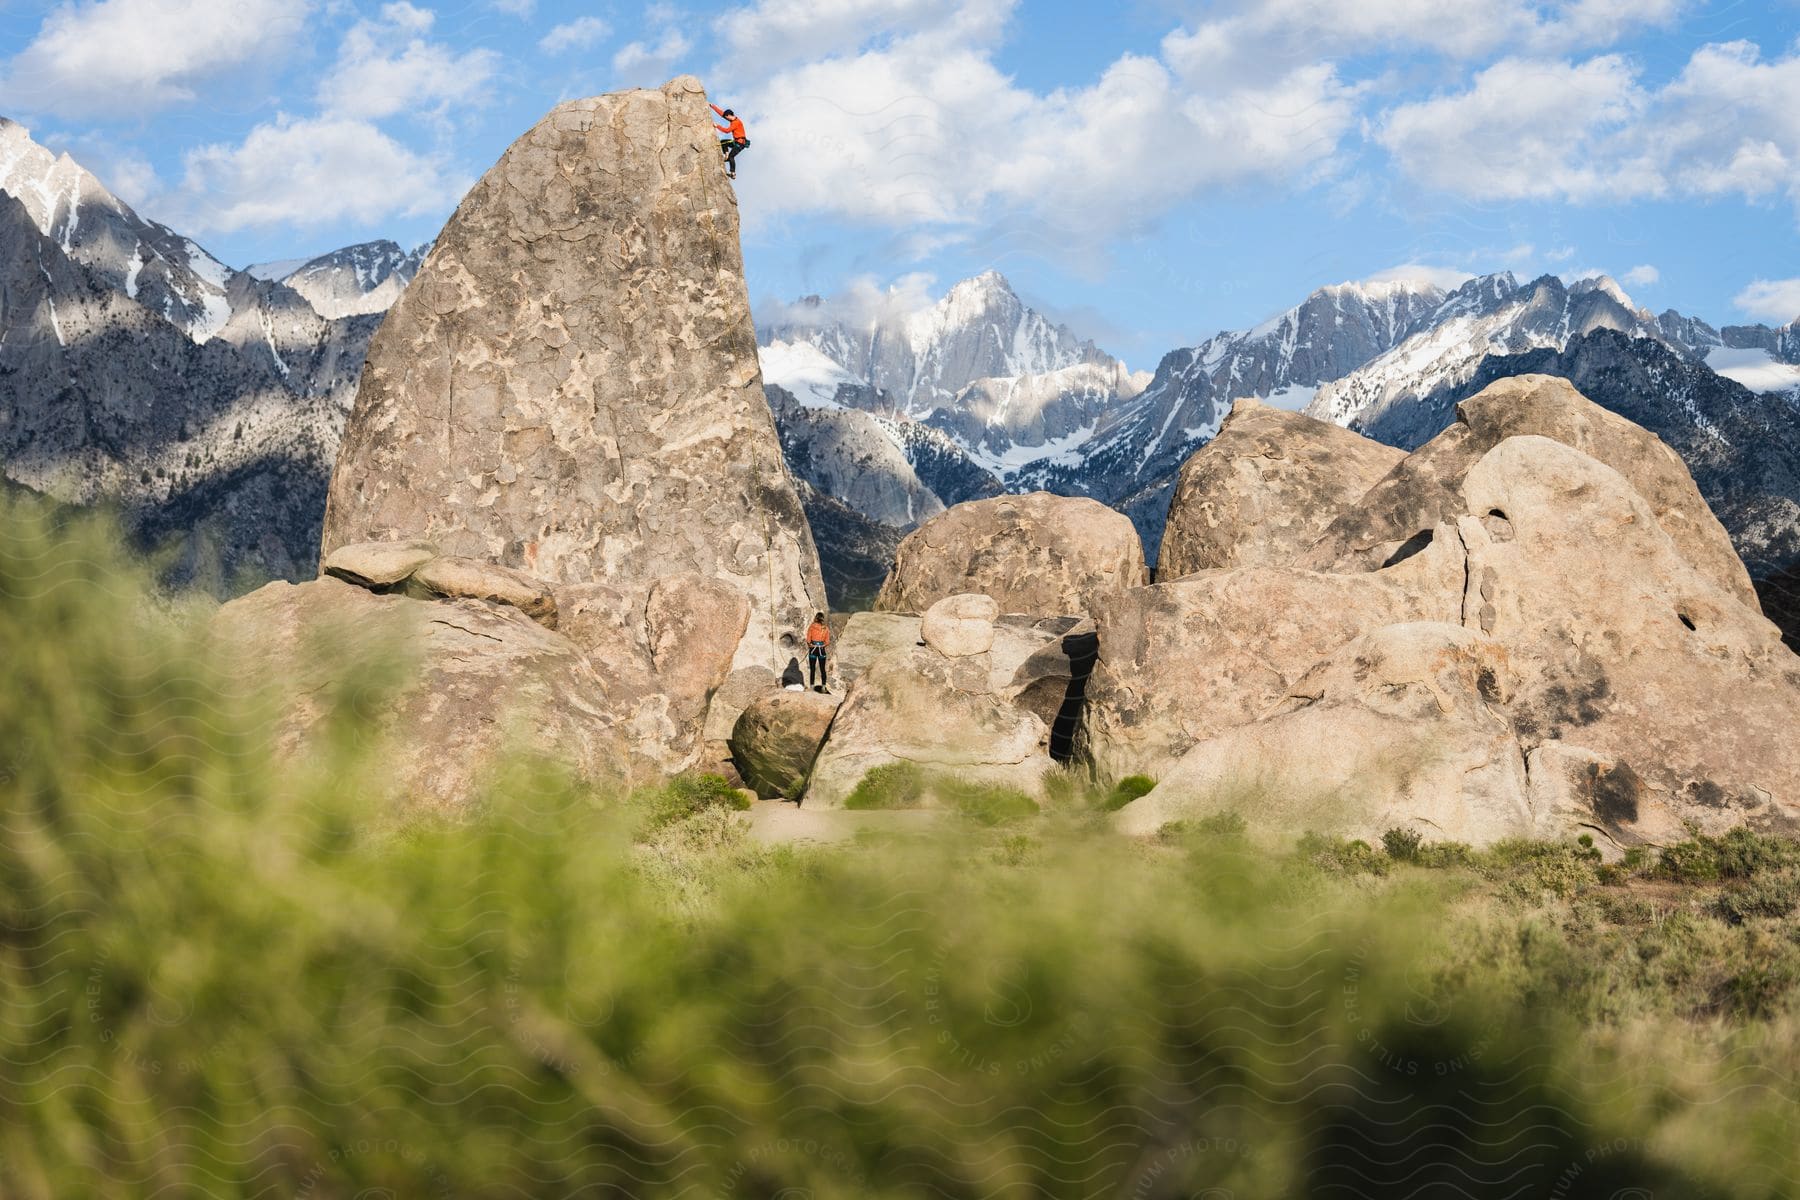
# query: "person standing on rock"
[[733, 145], [818, 641]]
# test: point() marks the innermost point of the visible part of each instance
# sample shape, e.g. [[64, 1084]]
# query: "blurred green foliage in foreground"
[[216, 981]]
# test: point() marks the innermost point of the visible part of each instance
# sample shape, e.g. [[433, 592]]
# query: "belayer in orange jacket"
[[736, 143], [818, 641]]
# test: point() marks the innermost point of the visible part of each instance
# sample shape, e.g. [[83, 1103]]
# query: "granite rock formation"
[[570, 387]]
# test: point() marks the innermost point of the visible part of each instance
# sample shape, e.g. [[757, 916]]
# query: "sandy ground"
[[779, 821]]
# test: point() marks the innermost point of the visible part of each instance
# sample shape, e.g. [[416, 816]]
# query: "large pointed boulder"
[[570, 385], [1263, 491]]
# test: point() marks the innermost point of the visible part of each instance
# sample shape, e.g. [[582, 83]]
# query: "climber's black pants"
[[815, 669], [731, 148]]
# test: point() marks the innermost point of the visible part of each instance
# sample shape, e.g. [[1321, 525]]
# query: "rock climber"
[[818, 639], [734, 145]]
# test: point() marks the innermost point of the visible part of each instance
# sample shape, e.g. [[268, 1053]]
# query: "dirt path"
[[781, 821]]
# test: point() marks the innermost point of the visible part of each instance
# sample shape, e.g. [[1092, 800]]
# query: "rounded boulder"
[[959, 626], [777, 737]]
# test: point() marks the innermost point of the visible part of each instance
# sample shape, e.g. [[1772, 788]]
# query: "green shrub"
[[1442, 855], [1126, 790], [1695, 861], [1738, 854], [1402, 845], [1225, 826], [688, 795], [891, 785], [987, 804], [1767, 896], [1353, 857], [1528, 870]]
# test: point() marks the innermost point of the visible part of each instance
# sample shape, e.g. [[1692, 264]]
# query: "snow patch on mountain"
[[806, 372], [1756, 369]]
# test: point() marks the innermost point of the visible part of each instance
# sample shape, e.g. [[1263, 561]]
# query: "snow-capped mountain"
[[1404, 395], [354, 281], [924, 357], [138, 370], [1133, 456], [898, 412], [1004, 381], [165, 272]]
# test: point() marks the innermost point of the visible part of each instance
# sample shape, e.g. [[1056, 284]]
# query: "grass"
[[892, 785], [1126, 790], [215, 980]]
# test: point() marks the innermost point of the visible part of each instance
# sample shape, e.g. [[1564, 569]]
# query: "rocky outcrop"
[[776, 739], [666, 650], [1624, 646], [867, 636], [958, 626], [1426, 488], [1182, 662], [1405, 727], [440, 692], [945, 714], [451, 578], [377, 565], [1263, 491], [1589, 676], [1038, 554], [569, 386]]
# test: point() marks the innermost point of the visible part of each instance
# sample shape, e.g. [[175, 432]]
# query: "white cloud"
[[1642, 275], [1774, 300], [119, 56], [645, 63], [1727, 125], [916, 126], [777, 33], [311, 172], [1527, 129], [1447, 278], [518, 8], [387, 66], [862, 302], [579, 34], [1242, 39]]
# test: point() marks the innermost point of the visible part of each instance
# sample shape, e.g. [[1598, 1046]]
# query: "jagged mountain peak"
[[356, 280], [165, 272]]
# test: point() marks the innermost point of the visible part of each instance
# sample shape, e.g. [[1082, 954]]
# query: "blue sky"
[[1152, 171]]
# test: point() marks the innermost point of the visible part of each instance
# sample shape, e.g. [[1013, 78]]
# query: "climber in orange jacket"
[[734, 145]]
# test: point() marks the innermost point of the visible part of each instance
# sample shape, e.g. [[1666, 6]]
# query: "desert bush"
[[1402, 845], [689, 795], [986, 804], [1766, 896], [1349, 857], [891, 785], [1126, 790]]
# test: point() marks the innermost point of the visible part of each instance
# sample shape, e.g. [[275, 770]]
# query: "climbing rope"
[[707, 184]]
